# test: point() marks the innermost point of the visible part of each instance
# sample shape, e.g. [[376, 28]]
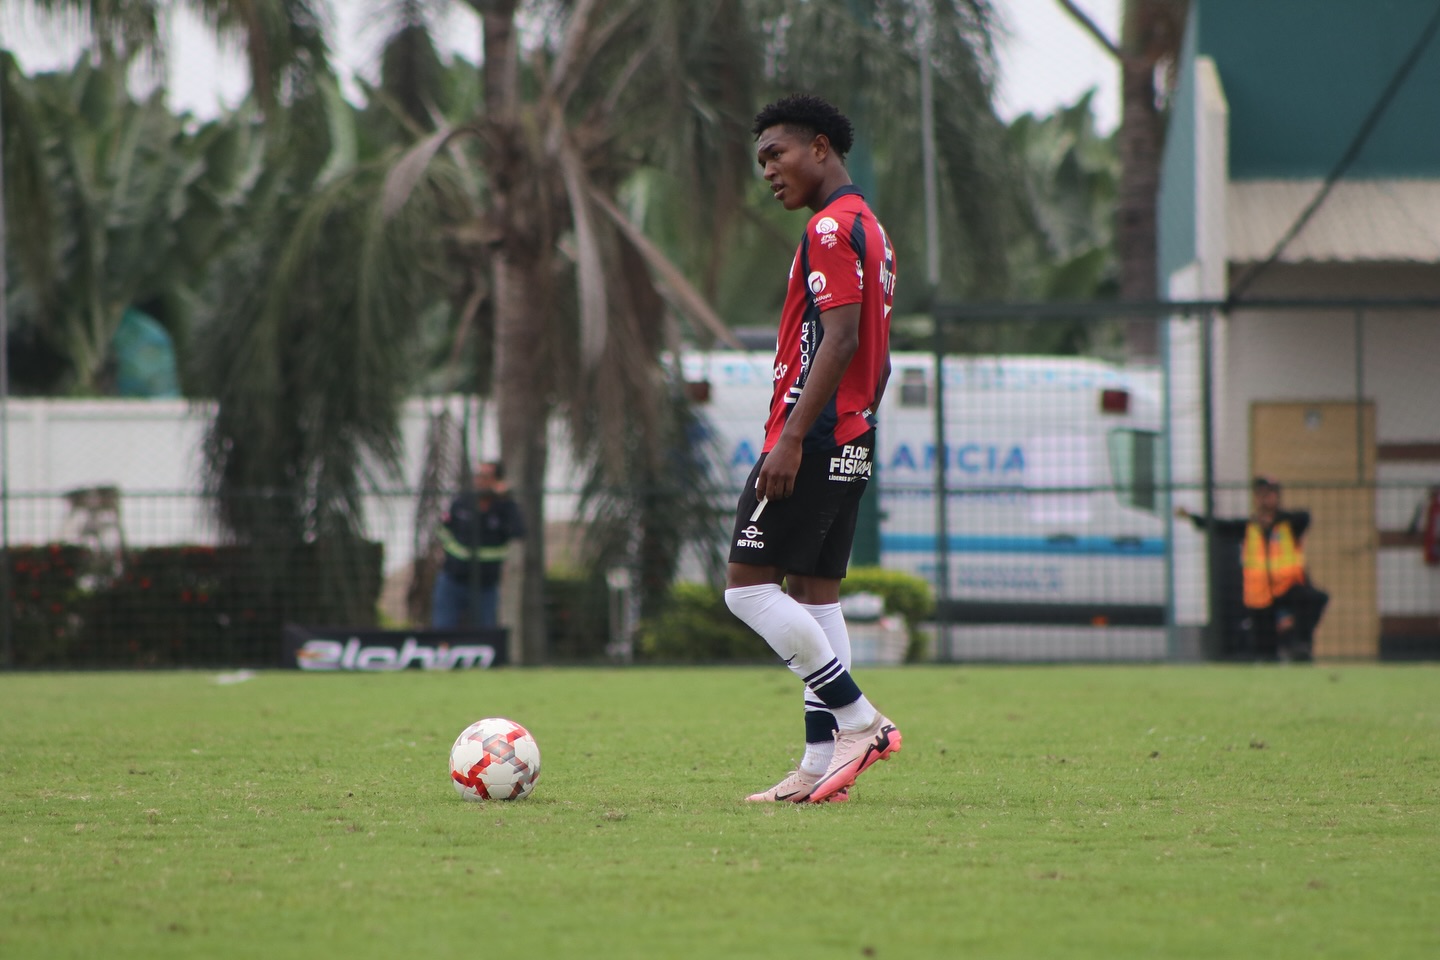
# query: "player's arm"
[[838, 345]]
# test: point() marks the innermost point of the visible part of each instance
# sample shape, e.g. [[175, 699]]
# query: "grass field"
[[1165, 812]]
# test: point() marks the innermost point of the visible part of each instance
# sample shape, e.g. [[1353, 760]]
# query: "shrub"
[[175, 606], [906, 596], [697, 627], [577, 618], [44, 591]]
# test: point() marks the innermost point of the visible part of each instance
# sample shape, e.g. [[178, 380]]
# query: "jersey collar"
[[846, 190]]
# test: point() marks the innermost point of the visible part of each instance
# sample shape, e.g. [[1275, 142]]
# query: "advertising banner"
[[331, 649]]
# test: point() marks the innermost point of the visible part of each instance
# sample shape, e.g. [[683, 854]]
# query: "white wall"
[[1390, 358], [152, 451], [1203, 279]]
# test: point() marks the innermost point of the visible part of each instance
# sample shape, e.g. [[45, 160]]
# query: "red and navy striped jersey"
[[844, 257]]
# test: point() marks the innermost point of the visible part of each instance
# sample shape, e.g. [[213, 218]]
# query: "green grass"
[[1174, 812]]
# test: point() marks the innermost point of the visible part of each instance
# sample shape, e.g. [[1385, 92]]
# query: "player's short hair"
[[805, 112], [1263, 482]]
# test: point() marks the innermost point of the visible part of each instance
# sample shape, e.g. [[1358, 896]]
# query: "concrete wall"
[[152, 451]]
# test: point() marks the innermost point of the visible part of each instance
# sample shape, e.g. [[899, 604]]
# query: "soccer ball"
[[494, 759]]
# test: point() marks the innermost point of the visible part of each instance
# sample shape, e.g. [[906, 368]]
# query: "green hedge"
[[697, 627], [906, 596], [577, 619]]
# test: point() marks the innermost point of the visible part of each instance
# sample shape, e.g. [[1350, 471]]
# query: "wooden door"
[[1323, 454]]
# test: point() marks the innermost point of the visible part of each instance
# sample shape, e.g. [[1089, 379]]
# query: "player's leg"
[[763, 538], [863, 735], [820, 723], [766, 536]]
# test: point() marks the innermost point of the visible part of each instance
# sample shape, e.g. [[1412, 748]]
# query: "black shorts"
[[811, 531]]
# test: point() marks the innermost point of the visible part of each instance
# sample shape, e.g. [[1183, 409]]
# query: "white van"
[[1055, 517]]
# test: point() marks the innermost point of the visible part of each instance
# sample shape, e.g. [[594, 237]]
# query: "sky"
[[1046, 59]]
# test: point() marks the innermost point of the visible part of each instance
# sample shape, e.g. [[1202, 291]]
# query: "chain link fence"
[[1057, 538]]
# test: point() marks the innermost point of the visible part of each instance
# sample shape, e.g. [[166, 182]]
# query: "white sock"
[[800, 641], [853, 716], [818, 753], [817, 758], [832, 621], [785, 625]]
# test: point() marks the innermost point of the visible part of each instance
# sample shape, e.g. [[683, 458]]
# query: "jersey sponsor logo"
[[809, 342], [828, 230], [852, 464], [752, 537], [887, 268], [816, 282], [781, 369]]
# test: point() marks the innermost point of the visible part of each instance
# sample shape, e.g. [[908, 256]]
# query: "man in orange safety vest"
[[1281, 606]]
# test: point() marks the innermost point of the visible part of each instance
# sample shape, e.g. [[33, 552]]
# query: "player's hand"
[[1182, 513], [777, 475]]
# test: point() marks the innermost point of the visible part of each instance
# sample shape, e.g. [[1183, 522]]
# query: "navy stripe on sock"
[[825, 674], [838, 692], [820, 726]]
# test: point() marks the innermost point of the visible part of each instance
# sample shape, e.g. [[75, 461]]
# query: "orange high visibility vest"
[[1270, 569]]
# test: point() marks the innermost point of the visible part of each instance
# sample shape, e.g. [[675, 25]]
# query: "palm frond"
[[676, 288], [594, 306]]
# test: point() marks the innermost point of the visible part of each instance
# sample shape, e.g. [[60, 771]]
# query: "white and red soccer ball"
[[494, 759]]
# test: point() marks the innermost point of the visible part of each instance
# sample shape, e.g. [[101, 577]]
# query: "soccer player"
[[796, 517]]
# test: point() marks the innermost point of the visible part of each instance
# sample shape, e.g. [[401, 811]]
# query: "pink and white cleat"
[[795, 788], [854, 754]]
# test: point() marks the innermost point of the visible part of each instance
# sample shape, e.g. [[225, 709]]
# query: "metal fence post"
[[942, 506], [7, 638], [1213, 639]]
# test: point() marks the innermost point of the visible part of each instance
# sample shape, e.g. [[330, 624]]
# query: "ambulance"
[[1052, 541]]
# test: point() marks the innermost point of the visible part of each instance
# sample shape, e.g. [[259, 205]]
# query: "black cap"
[[1263, 482]]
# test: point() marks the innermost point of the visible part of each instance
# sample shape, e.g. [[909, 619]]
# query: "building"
[[1338, 398]]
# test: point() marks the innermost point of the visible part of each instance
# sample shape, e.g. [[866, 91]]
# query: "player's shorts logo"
[[753, 538]]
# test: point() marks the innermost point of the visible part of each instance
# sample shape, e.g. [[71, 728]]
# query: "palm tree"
[[579, 293], [310, 350], [582, 299], [117, 203], [301, 319], [1150, 36]]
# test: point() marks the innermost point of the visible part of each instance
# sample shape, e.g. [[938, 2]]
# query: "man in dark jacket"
[[474, 534]]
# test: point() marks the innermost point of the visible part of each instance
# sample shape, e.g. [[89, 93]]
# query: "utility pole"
[[932, 288], [7, 632]]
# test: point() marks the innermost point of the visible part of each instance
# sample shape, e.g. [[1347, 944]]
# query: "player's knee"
[[749, 602]]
